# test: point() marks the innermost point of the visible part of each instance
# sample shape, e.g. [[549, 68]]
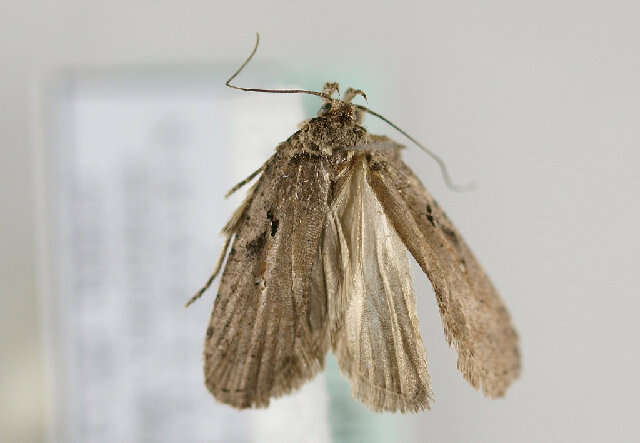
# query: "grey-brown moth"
[[317, 261]]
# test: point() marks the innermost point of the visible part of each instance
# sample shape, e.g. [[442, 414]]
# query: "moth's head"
[[343, 109]]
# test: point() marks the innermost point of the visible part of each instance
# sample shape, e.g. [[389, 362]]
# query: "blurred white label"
[[141, 167]]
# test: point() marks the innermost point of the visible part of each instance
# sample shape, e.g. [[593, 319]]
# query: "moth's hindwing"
[[375, 331], [476, 322], [266, 336]]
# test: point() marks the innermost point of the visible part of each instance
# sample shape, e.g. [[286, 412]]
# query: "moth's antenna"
[[443, 167], [438, 160], [273, 91]]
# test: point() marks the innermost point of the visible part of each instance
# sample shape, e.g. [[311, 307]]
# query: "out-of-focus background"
[[118, 141]]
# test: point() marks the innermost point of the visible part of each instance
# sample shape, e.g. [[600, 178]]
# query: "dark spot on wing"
[[431, 220], [428, 208], [209, 332], [274, 223], [450, 233], [256, 245]]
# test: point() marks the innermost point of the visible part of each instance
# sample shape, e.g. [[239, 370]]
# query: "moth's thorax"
[[335, 128]]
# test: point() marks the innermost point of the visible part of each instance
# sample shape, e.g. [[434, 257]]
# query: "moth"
[[317, 261]]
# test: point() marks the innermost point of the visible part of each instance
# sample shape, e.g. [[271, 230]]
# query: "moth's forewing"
[[475, 320], [377, 342], [265, 337]]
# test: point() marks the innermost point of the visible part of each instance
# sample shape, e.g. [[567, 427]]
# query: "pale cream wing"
[[267, 334], [372, 309], [475, 320]]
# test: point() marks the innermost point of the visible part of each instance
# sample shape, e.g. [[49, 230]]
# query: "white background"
[[537, 101]]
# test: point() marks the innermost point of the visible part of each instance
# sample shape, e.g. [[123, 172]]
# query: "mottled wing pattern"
[[267, 334], [375, 332], [476, 322]]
